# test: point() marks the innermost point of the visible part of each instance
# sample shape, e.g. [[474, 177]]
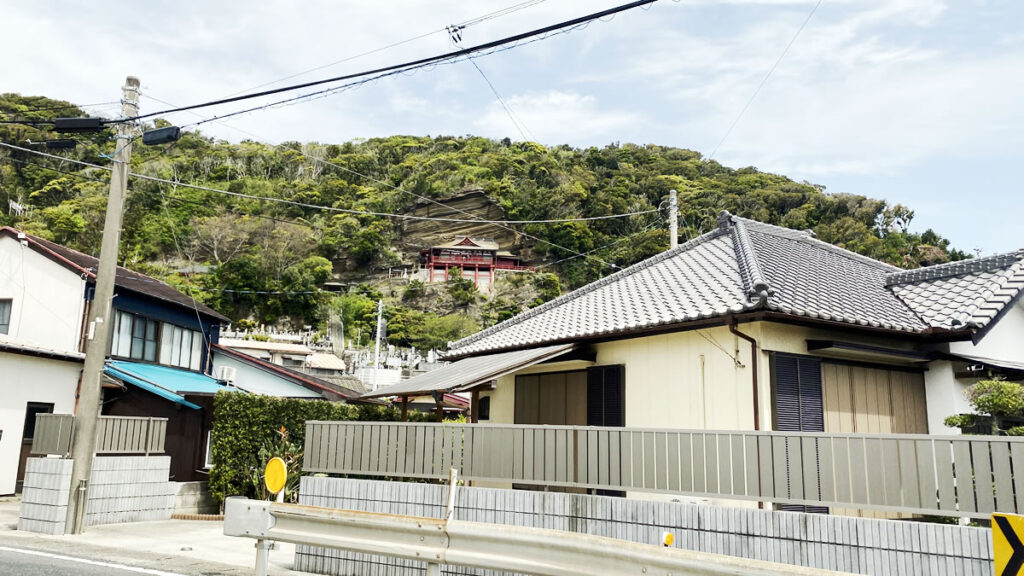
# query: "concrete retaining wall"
[[858, 545], [121, 489], [194, 498]]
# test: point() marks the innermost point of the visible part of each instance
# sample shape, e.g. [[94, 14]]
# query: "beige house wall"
[[679, 380]]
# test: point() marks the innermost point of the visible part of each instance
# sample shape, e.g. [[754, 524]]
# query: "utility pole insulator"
[[100, 309], [673, 219]]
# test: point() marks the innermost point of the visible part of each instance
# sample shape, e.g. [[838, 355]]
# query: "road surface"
[[23, 562]]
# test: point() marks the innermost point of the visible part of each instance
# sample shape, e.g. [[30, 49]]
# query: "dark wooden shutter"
[[606, 395]]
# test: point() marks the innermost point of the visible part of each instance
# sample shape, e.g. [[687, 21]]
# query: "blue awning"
[[166, 382]]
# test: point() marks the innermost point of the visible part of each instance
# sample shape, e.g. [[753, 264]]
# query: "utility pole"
[[673, 219], [84, 444], [376, 351]]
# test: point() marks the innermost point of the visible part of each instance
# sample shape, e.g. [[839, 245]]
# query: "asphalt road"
[[21, 562]]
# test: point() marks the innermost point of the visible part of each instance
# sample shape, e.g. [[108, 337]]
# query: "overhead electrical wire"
[[70, 106], [765, 79], [405, 66], [329, 208], [516, 121], [467, 23]]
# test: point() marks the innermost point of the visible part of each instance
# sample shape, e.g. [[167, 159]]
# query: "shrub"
[[248, 429], [1015, 431], [414, 290]]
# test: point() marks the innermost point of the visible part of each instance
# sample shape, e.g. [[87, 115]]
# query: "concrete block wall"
[[194, 498], [121, 489], [44, 496], [130, 489], [857, 545]]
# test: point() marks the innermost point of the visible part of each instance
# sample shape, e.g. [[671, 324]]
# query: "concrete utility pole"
[[376, 348], [673, 219], [84, 444]]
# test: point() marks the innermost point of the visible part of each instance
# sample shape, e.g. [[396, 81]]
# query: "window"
[[134, 337], [209, 450], [180, 347], [5, 315], [484, 408], [606, 396], [140, 338]]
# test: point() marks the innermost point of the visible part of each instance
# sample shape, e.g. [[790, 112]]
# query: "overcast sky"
[[919, 102]]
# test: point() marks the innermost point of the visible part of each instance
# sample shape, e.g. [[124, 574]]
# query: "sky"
[[918, 102]]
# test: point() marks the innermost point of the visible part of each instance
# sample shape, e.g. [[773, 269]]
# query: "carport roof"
[[470, 372]]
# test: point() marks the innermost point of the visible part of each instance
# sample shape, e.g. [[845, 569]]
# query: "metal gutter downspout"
[[753, 367]]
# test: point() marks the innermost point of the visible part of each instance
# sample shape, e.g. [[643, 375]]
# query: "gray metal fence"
[[114, 434], [970, 476]]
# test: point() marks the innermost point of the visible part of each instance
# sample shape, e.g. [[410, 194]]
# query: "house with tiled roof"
[[159, 351], [750, 327]]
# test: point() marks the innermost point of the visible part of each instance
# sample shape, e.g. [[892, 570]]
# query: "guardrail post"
[[433, 569], [263, 556], [453, 477]]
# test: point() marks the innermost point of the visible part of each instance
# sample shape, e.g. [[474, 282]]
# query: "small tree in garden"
[[996, 399]]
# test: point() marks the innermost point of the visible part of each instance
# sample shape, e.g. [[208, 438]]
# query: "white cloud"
[[555, 117]]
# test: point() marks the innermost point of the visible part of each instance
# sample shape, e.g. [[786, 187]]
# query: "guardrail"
[[474, 544], [967, 476], [114, 434]]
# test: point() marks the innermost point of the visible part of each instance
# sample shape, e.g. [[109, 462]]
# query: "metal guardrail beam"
[[479, 545]]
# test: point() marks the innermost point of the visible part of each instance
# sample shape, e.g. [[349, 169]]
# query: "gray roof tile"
[[745, 265], [967, 294]]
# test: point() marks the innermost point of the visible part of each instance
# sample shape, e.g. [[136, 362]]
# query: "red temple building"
[[478, 260]]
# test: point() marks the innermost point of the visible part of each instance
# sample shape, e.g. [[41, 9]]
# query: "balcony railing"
[[968, 476]]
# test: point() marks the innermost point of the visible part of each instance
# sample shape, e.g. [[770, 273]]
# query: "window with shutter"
[[606, 396], [798, 403]]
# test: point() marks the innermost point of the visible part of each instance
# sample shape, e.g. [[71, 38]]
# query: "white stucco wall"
[[258, 381], [1004, 341], [47, 299], [29, 379]]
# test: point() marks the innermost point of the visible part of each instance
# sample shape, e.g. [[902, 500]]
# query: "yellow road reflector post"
[[275, 475], [1008, 544], [667, 539]]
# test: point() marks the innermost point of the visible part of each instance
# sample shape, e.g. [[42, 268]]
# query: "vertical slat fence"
[[114, 434], [903, 473]]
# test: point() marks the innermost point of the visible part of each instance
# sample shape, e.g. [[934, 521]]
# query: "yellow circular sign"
[[275, 475]]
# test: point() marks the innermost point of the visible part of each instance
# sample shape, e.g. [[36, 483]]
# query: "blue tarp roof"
[[166, 382]]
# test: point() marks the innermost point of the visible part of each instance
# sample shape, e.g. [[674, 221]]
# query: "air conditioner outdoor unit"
[[226, 373]]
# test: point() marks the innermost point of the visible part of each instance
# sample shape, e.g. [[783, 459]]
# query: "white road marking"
[[92, 562]]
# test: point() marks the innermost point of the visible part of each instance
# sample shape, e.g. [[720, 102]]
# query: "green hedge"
[[250, 428]]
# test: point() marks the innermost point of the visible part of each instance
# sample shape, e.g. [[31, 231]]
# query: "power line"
[[599, 248], [516, 121], [765, 80], [332, 208], [499, 223], [69, 106], [406, 66], [477, 20]]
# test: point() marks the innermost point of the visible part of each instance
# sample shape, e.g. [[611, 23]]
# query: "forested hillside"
[[259, 260]]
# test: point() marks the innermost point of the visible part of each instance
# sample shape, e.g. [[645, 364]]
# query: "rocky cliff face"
[[469, 204]]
